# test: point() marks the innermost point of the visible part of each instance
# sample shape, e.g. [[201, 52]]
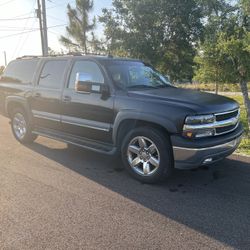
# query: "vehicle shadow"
[[214, 201]]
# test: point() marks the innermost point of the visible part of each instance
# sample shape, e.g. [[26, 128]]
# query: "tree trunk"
[[244, 90], [216, 88], [85, 43]]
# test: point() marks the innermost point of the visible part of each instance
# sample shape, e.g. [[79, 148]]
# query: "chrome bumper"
[[188, 158]]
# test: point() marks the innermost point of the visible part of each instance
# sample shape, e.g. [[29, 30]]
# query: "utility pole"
[[45, 35], [40, 24], [5, 58]]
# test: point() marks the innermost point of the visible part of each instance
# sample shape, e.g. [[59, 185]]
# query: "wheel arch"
[[126, 121], [13, 102]]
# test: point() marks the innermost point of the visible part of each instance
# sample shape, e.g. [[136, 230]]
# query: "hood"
[[199, 102]]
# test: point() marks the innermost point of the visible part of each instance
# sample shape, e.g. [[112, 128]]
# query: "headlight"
[[199, 119], [199, 126]]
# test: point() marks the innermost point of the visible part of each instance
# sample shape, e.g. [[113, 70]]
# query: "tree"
[[208, 58], [54, 53], [79, 28], [163, 33], [231, 49]]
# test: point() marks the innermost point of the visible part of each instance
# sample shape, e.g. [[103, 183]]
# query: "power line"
[[16, 19], [55, 18], [28, 13], [24, 41], [10, 27], [6, 2], [36, 29], [54, 33], [14, 29], [58, 5], [19, 17], [20, 37], [58, 25]]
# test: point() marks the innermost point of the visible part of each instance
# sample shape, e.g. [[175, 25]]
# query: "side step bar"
[[80, 142]]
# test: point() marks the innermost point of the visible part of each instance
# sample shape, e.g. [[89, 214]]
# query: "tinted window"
[[131, 74], [52, 74], [88, 68], [20, 71]]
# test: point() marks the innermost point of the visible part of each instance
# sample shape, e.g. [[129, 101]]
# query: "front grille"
[[225, 129], [225, 116], [228, 121]]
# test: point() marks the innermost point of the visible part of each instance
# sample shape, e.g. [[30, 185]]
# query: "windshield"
[[129, 74]]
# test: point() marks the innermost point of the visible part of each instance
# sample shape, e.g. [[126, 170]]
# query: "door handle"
[[67, 98], [36, 95]]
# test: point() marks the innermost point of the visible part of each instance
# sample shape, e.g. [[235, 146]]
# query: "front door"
[[87, 115], [46, 97]]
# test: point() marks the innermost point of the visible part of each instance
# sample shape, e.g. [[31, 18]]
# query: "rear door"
[[46, 96]]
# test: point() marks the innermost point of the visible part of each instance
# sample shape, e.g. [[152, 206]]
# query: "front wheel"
[[147, 155], [21, 127]]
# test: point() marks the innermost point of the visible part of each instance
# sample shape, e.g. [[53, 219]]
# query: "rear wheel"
[[147, 155], [21, 127]]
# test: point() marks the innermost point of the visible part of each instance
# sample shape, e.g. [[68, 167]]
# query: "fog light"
[[208, 160]]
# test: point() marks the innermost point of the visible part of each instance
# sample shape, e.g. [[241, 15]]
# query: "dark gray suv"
[[119, 106]]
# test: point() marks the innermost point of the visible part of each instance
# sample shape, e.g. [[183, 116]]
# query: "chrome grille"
[[228, 121]]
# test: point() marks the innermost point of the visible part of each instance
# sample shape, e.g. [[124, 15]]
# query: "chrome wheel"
[[19, 126], [143, 156]]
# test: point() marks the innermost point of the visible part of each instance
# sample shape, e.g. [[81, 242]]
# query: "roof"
[[77, 55]]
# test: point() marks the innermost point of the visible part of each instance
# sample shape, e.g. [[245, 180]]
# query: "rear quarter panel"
[[8, 90]]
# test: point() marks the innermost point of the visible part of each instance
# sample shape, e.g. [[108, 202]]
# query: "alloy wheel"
[[143, 156], [19, 126]]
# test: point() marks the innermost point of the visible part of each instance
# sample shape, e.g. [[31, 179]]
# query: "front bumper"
[[198, 155]]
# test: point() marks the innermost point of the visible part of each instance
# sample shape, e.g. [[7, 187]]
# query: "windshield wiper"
[[142, 86], [163, 86]]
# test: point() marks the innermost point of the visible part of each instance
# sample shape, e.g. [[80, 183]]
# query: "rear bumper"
[[198, 155]]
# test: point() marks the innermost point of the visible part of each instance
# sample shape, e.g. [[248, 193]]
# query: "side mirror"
[[84, 84]]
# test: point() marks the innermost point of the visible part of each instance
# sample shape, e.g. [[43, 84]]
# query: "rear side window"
[[20, 71], [52, 74], [85, 67]]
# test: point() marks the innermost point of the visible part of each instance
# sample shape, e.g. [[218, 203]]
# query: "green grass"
[[243, 112], [244, 147]]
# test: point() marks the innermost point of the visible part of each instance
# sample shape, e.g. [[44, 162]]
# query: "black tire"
[[27, 137], [163, 153]]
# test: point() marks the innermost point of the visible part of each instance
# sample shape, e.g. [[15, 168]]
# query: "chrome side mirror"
[[84, 84]]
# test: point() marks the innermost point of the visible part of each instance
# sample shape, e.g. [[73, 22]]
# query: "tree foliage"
[[224, 55], [163, 32], [80, 30]]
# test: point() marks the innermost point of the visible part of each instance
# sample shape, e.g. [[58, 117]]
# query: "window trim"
[[64, 74], [83, 60]]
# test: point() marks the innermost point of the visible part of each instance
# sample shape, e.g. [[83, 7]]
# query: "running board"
[[77, 141]]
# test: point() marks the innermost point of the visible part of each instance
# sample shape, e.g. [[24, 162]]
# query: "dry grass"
[[223, 87]]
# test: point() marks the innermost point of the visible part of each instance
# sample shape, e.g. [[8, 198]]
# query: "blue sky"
[[23, 11]]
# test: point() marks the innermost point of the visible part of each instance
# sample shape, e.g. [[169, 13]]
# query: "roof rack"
[[27, 56], [88, 54], [74, 54], [68, 54]]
